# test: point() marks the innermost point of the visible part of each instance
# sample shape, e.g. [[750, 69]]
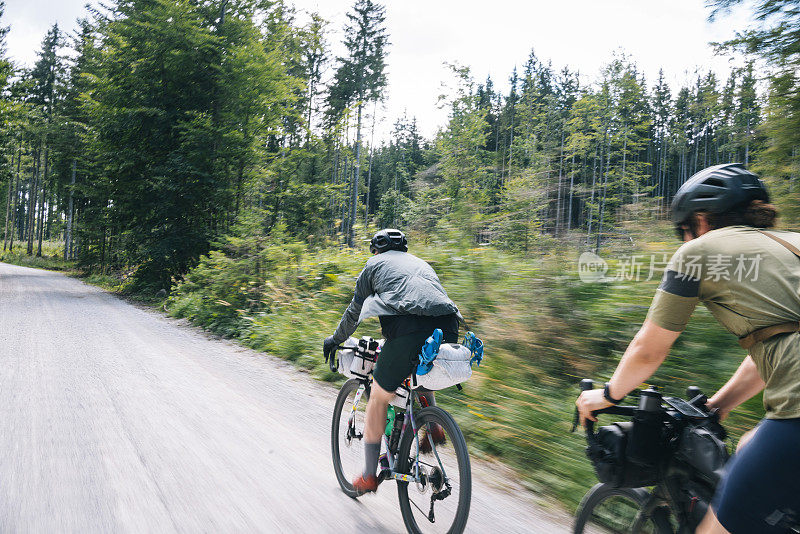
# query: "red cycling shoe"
[[364, 484]]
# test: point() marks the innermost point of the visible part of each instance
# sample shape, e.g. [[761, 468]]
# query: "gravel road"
[[117, 419]]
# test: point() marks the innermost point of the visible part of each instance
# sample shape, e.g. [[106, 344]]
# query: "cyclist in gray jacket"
[[404, 292]]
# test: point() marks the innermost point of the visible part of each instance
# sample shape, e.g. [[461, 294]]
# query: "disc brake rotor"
[[422, 479]]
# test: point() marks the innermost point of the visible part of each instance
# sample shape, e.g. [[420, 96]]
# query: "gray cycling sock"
[[371, 453]]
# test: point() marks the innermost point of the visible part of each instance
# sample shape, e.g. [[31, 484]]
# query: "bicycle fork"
[[351, 421]]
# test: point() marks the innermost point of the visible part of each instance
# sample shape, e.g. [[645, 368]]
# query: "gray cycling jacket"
[[394, 283]]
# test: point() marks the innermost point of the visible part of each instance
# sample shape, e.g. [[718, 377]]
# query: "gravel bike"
[[434, 480], [680, 483]]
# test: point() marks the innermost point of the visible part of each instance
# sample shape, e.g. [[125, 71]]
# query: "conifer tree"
[[360, 78]]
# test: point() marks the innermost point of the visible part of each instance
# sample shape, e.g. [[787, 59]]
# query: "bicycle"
[[681, 484], [434, 478]]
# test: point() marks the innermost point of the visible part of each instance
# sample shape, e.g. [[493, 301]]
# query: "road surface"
[[116, 419]]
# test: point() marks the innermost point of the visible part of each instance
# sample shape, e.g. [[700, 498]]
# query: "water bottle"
[[645, 443], [650, 400], [394, 439], [389, 420]]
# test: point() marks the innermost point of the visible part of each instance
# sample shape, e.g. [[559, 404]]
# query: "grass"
[[52, 257], [543, 327]]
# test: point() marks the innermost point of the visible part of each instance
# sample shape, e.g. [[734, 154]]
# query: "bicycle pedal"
[[385, 474]]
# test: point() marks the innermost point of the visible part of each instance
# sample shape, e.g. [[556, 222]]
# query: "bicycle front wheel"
[[606, 509], [437, 453], [347, 434]]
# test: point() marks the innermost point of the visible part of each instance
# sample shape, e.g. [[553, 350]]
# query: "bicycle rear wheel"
[[605, 509], [447, 477], [347, 434]]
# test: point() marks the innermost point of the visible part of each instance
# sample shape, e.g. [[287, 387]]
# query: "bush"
[[544, 330]]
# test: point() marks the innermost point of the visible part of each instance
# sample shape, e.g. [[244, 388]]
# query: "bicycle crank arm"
[[403, 478]]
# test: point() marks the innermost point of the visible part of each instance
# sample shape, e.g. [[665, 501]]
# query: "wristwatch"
[[607, 395]]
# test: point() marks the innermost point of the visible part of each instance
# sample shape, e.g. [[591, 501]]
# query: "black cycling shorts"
[[396, 360], [760, 491]]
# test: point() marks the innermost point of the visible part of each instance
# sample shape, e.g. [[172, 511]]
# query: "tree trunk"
[[559, 209], [351, 232], [32, 198], [591, 200], [747, 144], [103, 252], [571, 185], [334, 182], [68, 236], [604, 177], [369, 169], [345, 179], [511, 144], [42, 203], [16, 202], [624, 158], [8, 204]]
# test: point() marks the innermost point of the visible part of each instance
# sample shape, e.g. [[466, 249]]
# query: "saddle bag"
[[451, 367]]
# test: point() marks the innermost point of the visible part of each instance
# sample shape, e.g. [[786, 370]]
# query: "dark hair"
[[757, 213]]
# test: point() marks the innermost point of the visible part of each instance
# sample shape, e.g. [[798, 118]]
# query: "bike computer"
[[684, 408]]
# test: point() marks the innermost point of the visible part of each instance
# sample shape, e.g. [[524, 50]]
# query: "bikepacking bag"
[[608, 452], [400, 397], [705, 452], [443, 365], [357, 359]]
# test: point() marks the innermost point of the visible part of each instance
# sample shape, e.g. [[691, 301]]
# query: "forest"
[[160, 126], [217, 153]]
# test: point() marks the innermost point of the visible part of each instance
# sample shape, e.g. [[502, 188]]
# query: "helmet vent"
[[715, 182]]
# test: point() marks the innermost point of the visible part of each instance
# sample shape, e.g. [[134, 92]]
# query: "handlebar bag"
[[607, 451], [705, 452], [357, 358], [451, 367]]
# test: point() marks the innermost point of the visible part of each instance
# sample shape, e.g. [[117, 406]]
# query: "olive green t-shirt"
[[747, 281]]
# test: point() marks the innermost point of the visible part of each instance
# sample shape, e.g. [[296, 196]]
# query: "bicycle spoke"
[[434, 500], [348, 434], [435, 453], [616, 514]]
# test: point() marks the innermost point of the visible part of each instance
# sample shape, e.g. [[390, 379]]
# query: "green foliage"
[[50, 259], [544, 330]]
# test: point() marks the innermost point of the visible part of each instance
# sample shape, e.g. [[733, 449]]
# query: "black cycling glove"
[[328, 349]]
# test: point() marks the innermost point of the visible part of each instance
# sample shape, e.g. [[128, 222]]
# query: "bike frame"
[[390, 456]]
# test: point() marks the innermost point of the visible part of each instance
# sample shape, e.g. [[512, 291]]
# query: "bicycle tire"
[[638, 496], [349, 387], [434, 414]]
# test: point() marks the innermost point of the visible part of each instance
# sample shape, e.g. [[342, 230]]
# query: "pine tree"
[[360, 78], [748, 112]]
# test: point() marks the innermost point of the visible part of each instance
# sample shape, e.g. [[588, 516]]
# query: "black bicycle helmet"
[[388, 239], [718, 189]]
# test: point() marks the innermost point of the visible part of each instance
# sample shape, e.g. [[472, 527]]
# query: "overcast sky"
[[489, 36]]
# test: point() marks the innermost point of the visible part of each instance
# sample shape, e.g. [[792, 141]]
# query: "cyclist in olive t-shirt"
[[750, 281]]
